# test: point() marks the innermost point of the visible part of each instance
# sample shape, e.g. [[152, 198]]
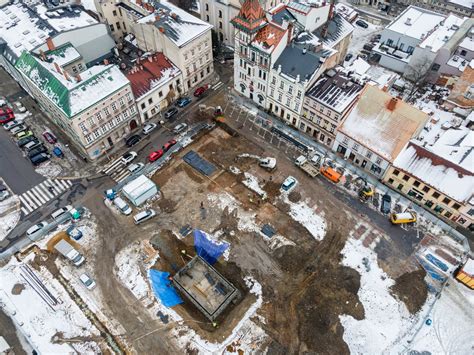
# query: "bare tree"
[[417, 74]]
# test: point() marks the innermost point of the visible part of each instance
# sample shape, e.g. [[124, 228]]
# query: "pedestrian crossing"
[[42, 193], [218, 85], [117, 170]]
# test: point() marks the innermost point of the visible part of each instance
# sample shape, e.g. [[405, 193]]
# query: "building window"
[[114, 13], [220, 26], [429, 204], [220, 14], [446, 201], [400, 186], [471, 212], [448, 214], [406, 177], [207, 20], [355, 147], [389, 42], [106, 111], [121, 102], [435, 67], [150, 100], [207, 7], [439, 209], [114, 106], [99, 116], [435, 194], [396, 172], [290, 89], [282, 85], [82, 126], [111, 27], [426, 189], [416, 183], [368, 155], [456, 206], [345, 140], [142, 106], [390, 181], [410, 49], [378, 161], [117, 25]]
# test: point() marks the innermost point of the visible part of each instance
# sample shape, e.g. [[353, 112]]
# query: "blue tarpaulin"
[[198, 163], [163, 289], [207, 249]]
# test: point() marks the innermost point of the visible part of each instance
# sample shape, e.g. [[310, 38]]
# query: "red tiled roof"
[[147, 70], [251, 16], [270, 35]]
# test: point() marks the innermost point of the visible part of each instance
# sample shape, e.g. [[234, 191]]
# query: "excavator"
[[366, 191]]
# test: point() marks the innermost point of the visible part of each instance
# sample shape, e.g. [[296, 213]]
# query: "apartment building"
[[159, 26], [219, 14], [327, 103], [458, 7], [94, 108], [439, 176], [377, 129], [155, 81]]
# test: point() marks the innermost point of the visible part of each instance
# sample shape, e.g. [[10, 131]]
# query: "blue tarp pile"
[[163, 289], [198, 163], [207, 249]]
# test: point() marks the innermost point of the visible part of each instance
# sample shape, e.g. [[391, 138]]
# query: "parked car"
[[24, 141], [169, 144], [24, 134], [289, 183], [12, 124], [171, 112], [132, 140], [6, 114], [123, 207], [183, 101], [368, 47], [58, 152], [33, 145], [267, 163], [4, 195], [134, 168], [50, 137], [128, 157], [40, 158], [38, 150], [144, 216], [362, 24], [403, 218], [154, 156], [19, 107], [200, 91], [36, 228], [180, 128], [87, 281], [60, 212], [74, 232], [386, 205], [149, 127], [18, 129], [348, 57]]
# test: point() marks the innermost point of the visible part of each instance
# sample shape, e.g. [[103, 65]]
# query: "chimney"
[[385, 88], [157, 18], [150, 59], [66, 75], [392, 103], [106, 62], [173, 15], [42, 55], [290, 32], [408, 21], [78, 78], [139, 2], [298, 78], [279, 69], [50, 44], [162, 29], [58, 69]]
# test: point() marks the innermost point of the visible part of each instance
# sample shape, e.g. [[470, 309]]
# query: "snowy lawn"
[[9, 215], [253, 184]]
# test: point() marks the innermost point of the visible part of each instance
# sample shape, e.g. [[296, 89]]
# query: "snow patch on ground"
[[235, 170], [386, 318], [246, 155], [307, 217], [9, 215], [37, 320], [252, 183], [49, 170]]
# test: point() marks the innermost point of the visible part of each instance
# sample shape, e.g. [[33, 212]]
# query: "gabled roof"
[[338, 28], [251, 16], [151, 73], [69, 94], [268, 37], [382, 123]]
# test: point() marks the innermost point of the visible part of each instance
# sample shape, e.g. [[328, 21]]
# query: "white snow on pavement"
[[252, 183], [9, 215], [49, 169], [307, 217]]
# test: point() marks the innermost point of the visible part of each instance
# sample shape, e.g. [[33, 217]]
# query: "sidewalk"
[[265, 120]]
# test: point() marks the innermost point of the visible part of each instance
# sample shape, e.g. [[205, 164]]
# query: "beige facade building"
[[159, 26]]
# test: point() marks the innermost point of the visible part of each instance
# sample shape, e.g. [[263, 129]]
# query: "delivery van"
[[405, 217], [331, 174]]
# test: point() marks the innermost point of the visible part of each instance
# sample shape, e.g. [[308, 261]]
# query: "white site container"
[[139, 190]]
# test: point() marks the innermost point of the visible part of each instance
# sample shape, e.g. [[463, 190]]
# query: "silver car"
[[180, 128], [144, 216], [149, 127]]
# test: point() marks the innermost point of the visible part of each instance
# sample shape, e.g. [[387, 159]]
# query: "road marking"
[[64, 183], [25, 211], [40, 194], [58, 186], [218, 85], [45, 187], [33, 198], [25, 203]]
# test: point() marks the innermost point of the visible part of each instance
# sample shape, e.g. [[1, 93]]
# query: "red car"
[[200, 90], [6, 115], [169, 144], [50, 138], [155, 155]]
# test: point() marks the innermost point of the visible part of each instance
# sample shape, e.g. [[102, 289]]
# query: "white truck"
[[304, 164], [68, 251]]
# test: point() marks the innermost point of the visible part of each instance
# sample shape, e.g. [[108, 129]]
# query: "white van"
[[56, 214], [122, 206], [144, 216]]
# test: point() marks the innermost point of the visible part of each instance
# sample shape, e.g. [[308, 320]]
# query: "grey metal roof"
[[294, 61]]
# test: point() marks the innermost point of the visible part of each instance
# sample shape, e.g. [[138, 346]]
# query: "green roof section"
[[45, 81]]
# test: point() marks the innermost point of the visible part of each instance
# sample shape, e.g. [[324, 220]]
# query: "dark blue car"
[[183, 101]]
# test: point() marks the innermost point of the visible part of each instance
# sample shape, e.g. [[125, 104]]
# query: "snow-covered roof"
[[436, 39], [72, 94], [337, 29], [151, 73], [138, 187], [346, 11], [382, 123], [416, 22], [465, 3], [63, 19], [21, 29], [467, 43], [176, 24], [468, 267], [359, 66], [444, 175], [63, 55], [335, 90]]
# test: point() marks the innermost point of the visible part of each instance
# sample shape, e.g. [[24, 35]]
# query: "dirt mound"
[[17, 289], [294, 196], [411, 289]]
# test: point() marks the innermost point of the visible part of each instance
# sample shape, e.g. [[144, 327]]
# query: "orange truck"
[[331, 174], [466, 274]]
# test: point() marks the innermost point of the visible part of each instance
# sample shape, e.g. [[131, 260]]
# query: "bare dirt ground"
[[305, 288]]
